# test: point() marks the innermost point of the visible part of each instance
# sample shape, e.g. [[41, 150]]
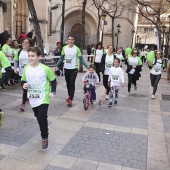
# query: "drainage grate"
[[165, 97]]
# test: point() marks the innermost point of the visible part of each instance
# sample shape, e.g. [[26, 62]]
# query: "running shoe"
[[128, 94], [70, 102], [45, 143], [153, 96], [22, 108], [68, 99], [1, 117], [110, 104], [107, 97], [115, 102]]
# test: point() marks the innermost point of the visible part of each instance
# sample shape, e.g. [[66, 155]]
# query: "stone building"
[[18, 19]]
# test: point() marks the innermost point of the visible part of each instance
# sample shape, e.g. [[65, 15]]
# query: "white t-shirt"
[[156, 69], [23, 61], [116, 76], [108, 63], [71, 56], [120, 57], [133, 61], [99, 54]]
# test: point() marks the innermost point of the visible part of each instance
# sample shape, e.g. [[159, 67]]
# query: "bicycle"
[[88, 95]]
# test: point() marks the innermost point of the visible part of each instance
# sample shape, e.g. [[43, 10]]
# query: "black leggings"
[[6, 75], [131, 79], [40, 113], [70, 77], [24, 96], [154, 81], [97, 69], [105, 83]]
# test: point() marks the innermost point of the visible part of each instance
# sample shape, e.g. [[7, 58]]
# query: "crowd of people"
[[39, 82]]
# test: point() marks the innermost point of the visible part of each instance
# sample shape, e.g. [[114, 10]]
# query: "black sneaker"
[[3, 87], [115, 102], [110, 104], [45, 143]]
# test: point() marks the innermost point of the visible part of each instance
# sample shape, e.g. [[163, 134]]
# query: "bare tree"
[[113, 8], [37, 29], [152, 11]]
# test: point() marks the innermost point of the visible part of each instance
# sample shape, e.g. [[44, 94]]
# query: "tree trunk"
[[98, 27], [83, 31], [62, 25], [36, 25], [113, 35]]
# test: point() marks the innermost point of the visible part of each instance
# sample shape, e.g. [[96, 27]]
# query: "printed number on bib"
[[115, 77], [157, 69], [68, 59], [34, 94]]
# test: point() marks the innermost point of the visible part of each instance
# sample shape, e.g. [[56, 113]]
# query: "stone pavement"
[[134, 135]]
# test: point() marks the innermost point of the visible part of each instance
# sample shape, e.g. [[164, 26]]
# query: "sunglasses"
[[71, 39], [135, 53], [158, 53]]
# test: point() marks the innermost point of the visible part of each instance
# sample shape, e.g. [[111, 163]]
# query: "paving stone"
[[166, 123], [102, 149], [18, 130], [2, 157], [165, 105], [50, 167], [121, 117]]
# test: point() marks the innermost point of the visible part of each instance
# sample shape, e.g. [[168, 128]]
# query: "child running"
[[116, 79], [92, 78], [36, 78]]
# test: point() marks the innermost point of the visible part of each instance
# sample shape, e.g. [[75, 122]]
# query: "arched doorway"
[[77, 32]]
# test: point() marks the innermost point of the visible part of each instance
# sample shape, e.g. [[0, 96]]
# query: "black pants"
[[131, 79], [105, 83], [154, 81], [143, 59], [88, 56], [24, 96], [70, 77], [6, 75], [40, 113], [97, 69]]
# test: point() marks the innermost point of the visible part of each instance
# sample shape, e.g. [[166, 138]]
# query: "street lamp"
[[137, 39], [133, 32], [117, 34], [103, 17]]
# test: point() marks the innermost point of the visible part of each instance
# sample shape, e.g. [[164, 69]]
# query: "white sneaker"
[[128, 94], [94, 101], [153, 96], [107, 97], [135, 87]]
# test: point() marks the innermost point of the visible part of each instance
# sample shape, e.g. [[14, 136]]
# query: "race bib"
[[34, 93], [23, 63], [109, 65], [115, 77], [157, 69], [68, 59]]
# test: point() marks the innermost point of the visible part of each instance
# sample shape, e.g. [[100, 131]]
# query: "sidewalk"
[[134, 135]]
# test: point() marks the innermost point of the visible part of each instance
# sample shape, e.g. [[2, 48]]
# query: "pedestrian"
[[115, 80], [21, 60], [92, 78], [92, 53], [105, 66], [119, 56], [4, 63], [6, 49], [22, 36], [3, 36], [88, 51], [37, 79], [70, 53], [30, 34], [133, 70], [155, 73], [98, 53], [143, 54]]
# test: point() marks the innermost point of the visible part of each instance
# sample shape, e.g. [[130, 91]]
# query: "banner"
[[156, 37]]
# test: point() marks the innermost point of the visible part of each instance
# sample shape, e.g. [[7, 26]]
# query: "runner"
[[37, 78], [134, 65], [4, 63], [106, 64], [70, 53], [21, 60], [119, 56]]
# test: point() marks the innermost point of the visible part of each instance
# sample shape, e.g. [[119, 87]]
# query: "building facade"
[[18, 19]]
